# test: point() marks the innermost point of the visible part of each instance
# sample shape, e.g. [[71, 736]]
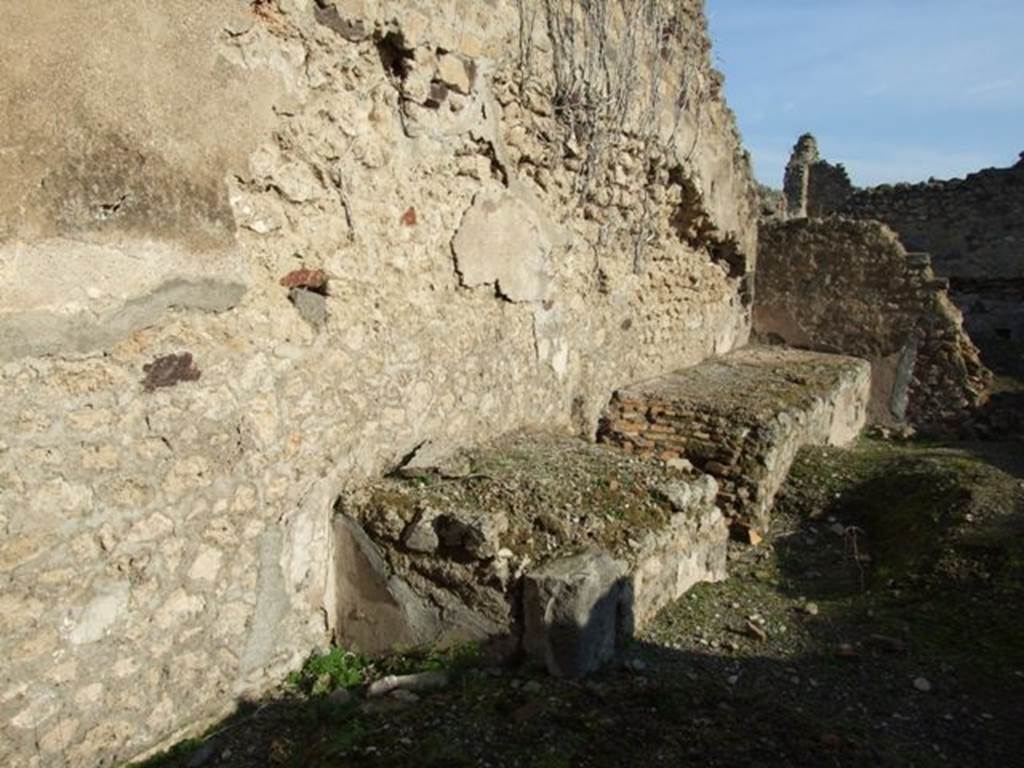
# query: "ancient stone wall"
[[974, 229], [446, 554], [971, 227], [797, 178], [251, 254], [828, 188], [772, 203], [846, 286]]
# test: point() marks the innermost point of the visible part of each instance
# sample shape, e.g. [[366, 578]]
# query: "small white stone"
[[100, 614], [36, 713], [206, 565], [922, 684]]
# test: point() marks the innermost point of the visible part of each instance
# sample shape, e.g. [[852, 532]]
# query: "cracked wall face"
[[166, 519]]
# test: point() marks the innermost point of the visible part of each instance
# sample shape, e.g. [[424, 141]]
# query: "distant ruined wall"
[[828, 187], [974, 229], [797, 178], [845, 286], [252, 253], [773, 205]]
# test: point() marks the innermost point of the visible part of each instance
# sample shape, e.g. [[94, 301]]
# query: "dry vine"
[[610, 60], [852, 543]]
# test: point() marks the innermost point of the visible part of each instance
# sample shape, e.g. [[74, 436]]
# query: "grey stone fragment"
[[707, 486], [678, 493], [578, 611], [433, 458], [312, 306], [42, 332], [683, 495], [420, 535], [683, 465], [477, 533], [421, 681]]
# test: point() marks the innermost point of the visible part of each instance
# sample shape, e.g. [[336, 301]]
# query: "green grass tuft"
[[323, 673]]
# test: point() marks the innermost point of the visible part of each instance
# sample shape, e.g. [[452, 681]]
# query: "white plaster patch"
[[550, 342], [501, 242]]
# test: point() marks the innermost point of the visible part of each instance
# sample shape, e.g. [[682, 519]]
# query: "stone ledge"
[[547, 543], [742, 417]]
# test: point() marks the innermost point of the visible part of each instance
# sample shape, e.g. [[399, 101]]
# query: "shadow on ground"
[[880, 624], [1003, 414]]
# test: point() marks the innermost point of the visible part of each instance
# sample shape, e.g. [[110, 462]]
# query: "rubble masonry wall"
[[252, 253]]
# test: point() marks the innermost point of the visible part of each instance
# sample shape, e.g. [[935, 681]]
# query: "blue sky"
[[897, 90]]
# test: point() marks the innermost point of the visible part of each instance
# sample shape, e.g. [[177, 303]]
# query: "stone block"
[[310, 305], [577, 611], [478, 534]]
